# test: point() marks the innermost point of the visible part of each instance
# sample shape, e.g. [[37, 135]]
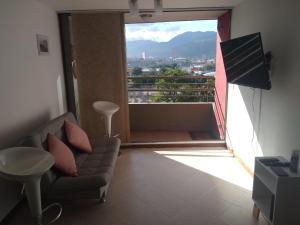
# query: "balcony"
[[172, 109], [187, 88]]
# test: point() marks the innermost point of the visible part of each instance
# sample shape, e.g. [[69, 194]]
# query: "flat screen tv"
[[245, 63]]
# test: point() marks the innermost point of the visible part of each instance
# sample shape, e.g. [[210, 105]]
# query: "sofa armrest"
[[113, 145]]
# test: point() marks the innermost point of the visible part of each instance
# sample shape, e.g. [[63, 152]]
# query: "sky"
[[165, 31]]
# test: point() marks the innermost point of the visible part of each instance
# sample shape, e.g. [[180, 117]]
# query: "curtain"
[[99, 51], [223, 34]]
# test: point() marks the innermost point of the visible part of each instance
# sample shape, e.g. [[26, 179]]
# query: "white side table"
[[27, 165], [276, 196]]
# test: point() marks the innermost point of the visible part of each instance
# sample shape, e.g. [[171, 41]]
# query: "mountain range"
[[189, 45]]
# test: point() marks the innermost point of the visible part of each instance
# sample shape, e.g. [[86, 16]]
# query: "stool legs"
[[33, 193], [107, 121]]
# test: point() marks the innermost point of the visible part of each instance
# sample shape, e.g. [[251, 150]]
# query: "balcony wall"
[[172, 117]]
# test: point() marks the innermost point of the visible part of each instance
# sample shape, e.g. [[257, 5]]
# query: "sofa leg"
[[102, 198]]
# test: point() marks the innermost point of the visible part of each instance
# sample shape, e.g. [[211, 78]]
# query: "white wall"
[[272, 127], [28, 82]]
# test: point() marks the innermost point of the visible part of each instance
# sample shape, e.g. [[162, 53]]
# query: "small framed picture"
[[42, 44]]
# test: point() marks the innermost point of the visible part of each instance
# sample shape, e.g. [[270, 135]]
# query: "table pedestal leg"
[[32, 189], [107, 122]]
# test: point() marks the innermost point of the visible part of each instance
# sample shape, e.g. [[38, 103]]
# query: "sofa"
[[95, 170]]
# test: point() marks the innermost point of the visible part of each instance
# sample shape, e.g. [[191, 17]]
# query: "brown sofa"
[[95, 170]]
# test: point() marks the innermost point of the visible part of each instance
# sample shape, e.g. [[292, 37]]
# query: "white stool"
[[106, 109], [27, 165]]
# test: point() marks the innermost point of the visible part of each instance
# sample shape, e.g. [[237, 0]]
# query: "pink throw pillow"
[[77, 137], [64, 158]]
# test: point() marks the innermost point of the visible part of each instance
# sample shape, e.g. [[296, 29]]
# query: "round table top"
[[105, 107], [19, 163]]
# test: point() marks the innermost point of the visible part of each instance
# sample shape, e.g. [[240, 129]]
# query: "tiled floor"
[[166, 187]]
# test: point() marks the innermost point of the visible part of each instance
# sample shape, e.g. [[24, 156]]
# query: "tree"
[[137, 71], [177, 86], [209, 67], [163, 68]]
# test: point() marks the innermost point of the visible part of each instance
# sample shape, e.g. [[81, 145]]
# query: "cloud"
[[159, 36], [153, 28], [139, 27], [162, 32], [173, 28]]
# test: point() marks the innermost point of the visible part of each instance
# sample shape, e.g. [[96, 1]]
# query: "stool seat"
[[22, 163], [105, 107]]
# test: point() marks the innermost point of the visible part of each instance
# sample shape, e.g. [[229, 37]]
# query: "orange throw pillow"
[[64, 158], [77, 137]]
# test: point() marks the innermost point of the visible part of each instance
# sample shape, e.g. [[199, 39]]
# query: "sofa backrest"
[[39, 139]]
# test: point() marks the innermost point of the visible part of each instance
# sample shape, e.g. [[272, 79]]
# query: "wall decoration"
[[42, 44]]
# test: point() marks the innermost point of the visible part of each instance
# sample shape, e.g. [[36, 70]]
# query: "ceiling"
[[69, 5]]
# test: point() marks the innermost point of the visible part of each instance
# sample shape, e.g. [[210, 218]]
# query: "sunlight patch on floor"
[[217, 163]]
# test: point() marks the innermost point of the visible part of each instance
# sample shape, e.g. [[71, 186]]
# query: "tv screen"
[[244, 62]]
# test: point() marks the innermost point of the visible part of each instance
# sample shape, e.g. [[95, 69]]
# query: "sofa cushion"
[[77, 137], [55, 127], [101, 164], [38, 138], [64, 158]]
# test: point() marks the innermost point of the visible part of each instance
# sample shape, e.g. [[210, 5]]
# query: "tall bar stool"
[[27, 165], [106, 109]]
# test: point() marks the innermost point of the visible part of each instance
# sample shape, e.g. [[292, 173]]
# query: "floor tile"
[[165, 187]]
